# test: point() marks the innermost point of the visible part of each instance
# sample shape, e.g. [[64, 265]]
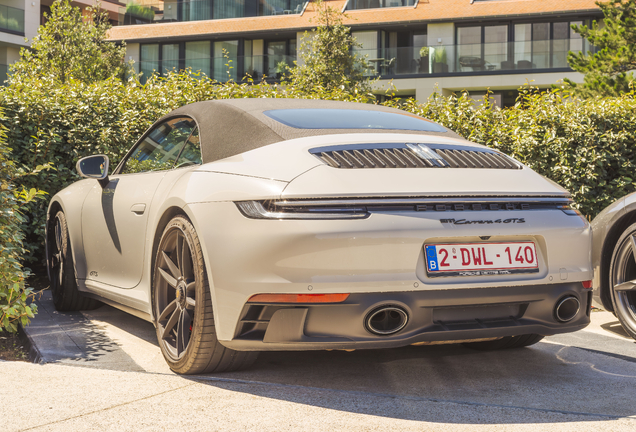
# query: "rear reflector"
[[298, 298], [587, 284]]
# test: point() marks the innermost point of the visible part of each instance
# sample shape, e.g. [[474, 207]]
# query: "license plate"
[[477, 259]]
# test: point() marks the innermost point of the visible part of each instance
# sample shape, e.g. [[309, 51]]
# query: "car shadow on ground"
[[546, 383]]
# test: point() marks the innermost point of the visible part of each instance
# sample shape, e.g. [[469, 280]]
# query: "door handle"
[[138, 209]]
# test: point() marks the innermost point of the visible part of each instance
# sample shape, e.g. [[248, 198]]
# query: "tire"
[[505, 342], [182, 306], [622, 270], [66, 296]]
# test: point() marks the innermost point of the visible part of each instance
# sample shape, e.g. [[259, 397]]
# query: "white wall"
[[424, 87], [31, 17], [132, 52], [13, 54], [441, 34]]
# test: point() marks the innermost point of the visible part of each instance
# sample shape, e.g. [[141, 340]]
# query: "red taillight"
[[298, 298], [587, 284]]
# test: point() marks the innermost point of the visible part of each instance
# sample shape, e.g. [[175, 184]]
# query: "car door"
[[114, 217]]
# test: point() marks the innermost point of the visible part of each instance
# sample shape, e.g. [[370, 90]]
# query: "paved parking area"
[[102, 370]]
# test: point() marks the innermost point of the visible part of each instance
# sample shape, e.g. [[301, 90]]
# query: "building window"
[[482, 48], [169, 58], [545, 45], [197, 57], [148, 60], [219, 60], [538, 45], [280, 54]]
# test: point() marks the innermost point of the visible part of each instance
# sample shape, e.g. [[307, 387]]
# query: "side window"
[[191, 154], [160, 149]]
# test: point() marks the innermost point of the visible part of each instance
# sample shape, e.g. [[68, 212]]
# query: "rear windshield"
[[351, 119]]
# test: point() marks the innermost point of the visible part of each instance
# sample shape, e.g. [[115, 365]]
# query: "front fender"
[[70, 200]]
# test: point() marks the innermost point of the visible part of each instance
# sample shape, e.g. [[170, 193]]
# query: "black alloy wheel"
[[175, 293], [182, 305], [622, 281], [66, 296]]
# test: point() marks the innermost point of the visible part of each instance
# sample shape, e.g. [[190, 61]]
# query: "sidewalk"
[[102, 370]]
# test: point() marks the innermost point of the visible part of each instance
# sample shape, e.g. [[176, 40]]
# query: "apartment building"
[[421, 46]]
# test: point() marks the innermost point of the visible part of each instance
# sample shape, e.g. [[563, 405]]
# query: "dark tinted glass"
[[159, 150], [351, 119], [191, 154]]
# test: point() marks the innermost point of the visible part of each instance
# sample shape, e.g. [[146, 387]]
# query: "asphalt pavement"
[[102, 370]]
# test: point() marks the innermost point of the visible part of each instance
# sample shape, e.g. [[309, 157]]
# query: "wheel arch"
[[166, 217], [609, 243], [54, 206]]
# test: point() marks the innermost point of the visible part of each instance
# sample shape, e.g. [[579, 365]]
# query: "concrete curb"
[[34, 353]]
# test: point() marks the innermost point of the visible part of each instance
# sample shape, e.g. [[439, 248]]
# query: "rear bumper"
[[434, 315], [383, 253]]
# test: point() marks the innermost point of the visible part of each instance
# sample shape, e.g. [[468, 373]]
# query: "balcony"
[[11, 20], [375, 4], [223, 69], [198, 10], [478, 59]]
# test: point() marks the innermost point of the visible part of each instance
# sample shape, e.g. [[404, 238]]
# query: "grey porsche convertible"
[[249, 225]]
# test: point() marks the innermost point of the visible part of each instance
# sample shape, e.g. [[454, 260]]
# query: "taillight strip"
[[298, 298]]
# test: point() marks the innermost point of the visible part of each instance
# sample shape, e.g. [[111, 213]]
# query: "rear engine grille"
[[412, 156]]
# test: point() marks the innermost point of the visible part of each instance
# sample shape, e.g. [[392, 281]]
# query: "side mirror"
[[95, 167]]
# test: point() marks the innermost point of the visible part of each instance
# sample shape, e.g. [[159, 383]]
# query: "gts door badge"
[[482, 221]]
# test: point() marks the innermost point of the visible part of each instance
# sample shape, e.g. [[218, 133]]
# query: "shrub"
[[62, 122], [586, 146], [14, 295], [140, 11]]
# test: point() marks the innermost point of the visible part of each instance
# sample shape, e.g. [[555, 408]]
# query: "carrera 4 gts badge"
[[482, 222]]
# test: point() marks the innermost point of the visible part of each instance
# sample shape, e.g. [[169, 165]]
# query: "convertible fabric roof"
[[232, 126]]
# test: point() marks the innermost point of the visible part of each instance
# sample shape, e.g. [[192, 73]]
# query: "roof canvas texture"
[[234, 126], [425, 11]]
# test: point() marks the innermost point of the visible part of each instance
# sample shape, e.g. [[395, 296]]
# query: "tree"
[[327, 61], [608, 71], [72, 46]]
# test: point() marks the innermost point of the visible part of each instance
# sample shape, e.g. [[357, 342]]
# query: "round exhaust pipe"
[[567, 308], [386, 320]]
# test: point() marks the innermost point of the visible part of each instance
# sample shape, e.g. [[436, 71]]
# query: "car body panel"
[[383, 253], [607, 227], [112, 218], [328, 182]]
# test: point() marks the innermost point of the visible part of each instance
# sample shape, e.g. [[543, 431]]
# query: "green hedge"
[[14, 295], [60, 123], [586, 146]]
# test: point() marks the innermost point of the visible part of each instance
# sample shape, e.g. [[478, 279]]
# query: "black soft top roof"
[[229, 127]]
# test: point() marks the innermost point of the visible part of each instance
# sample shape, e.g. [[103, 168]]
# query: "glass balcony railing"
[[198, 10], [11, 19], [473, 58], [221, 68], [374, 4], [393, 62]]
